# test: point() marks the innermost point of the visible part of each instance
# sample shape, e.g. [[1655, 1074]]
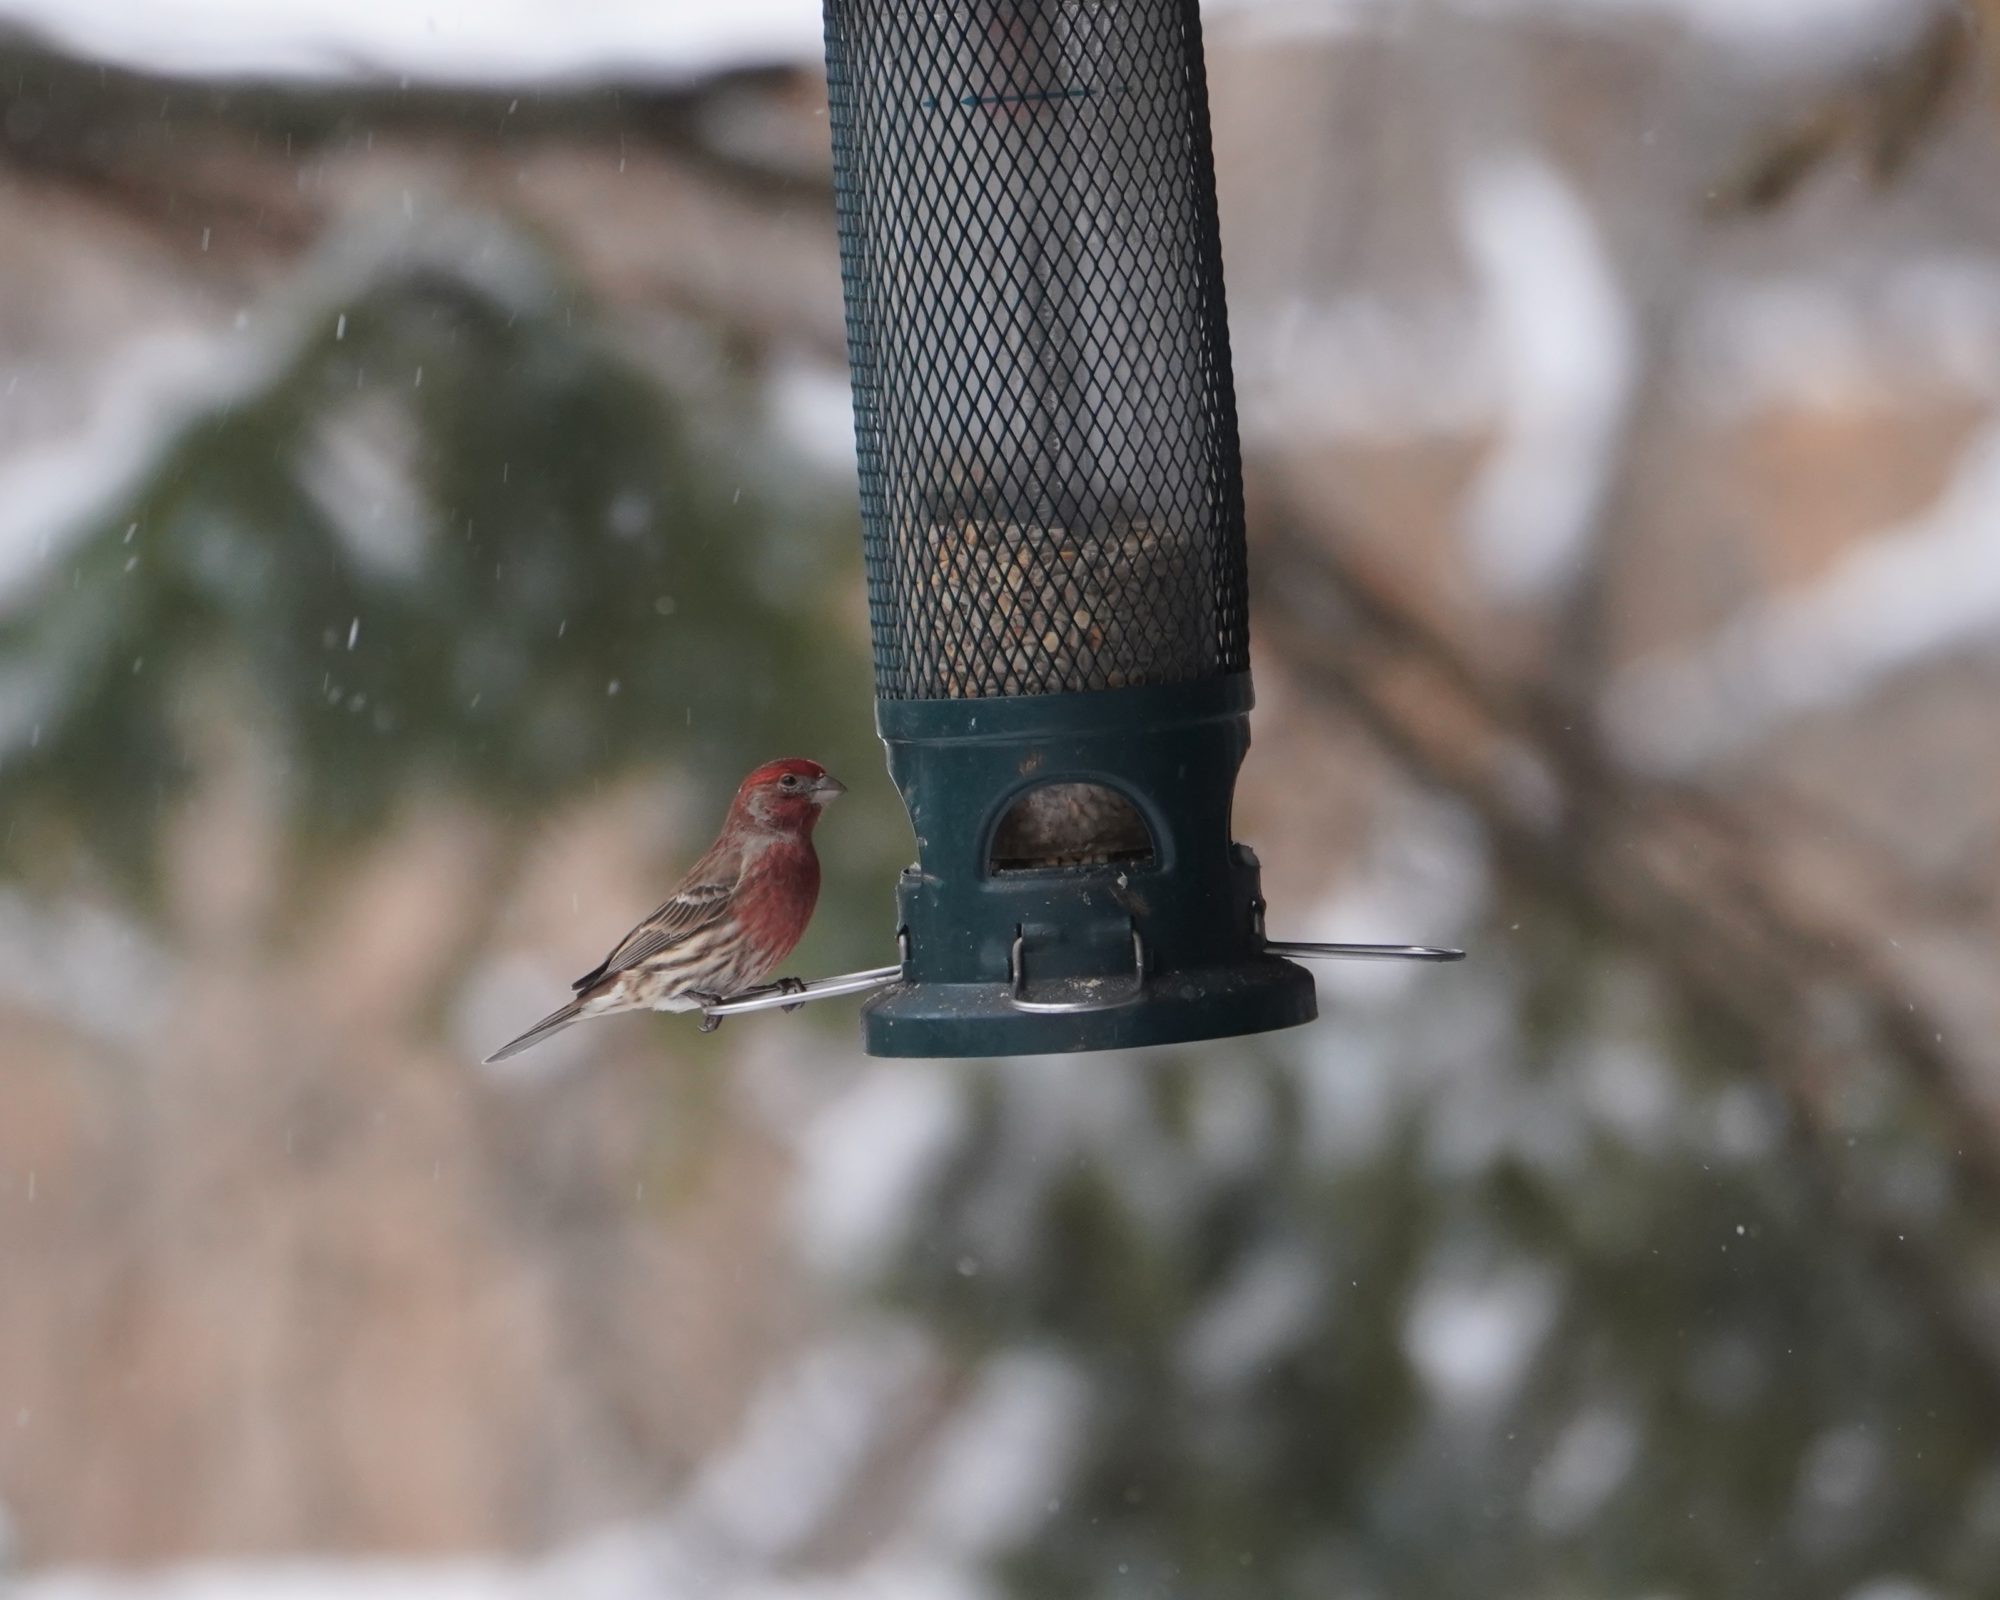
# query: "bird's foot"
[[776, 986], [703, 998]]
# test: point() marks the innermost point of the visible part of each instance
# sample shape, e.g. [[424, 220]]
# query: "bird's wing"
[[697, 903]]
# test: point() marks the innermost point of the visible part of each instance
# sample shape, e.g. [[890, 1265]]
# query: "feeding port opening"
[[1055, 825]]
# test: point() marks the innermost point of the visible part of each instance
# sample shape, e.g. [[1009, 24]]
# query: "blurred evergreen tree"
[[451, 538], [1575, 1318]]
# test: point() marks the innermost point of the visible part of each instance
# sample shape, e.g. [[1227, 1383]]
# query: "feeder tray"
[[1052, 512]]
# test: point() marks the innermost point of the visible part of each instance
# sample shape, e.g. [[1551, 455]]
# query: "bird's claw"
[[710, 1021]]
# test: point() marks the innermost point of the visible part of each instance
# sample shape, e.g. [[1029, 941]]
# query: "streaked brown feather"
[[698, 903]]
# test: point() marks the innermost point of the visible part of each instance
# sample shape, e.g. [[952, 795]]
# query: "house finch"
[[736, 915]]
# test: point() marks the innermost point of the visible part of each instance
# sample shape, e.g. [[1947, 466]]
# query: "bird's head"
[[786, 796]]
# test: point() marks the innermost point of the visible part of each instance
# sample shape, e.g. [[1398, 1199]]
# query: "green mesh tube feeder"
[[1052, 514]]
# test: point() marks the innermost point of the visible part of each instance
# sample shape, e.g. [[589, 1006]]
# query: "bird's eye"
[[790, 780]]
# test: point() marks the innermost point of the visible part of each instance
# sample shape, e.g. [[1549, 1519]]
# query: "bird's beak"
[[827, 787]]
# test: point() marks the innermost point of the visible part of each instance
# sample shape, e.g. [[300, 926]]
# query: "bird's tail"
[[554, 1022]]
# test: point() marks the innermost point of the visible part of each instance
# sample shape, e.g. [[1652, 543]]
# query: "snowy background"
[[426, 484]]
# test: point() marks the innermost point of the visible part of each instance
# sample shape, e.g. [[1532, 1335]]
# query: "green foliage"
[[578, 583], [1715, 1390]]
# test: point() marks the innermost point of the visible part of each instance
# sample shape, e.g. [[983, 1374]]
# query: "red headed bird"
[[736, 915]]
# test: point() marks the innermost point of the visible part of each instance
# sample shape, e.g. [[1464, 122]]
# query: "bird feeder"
[[1052, 510]]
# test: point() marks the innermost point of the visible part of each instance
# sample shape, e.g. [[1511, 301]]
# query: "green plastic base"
[[1047, 960], [943, 1019]]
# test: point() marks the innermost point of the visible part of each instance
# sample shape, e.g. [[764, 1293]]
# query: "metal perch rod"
[[776, 999], [1299, 951]]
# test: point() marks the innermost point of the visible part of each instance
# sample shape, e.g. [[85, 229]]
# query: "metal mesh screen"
[[1051, 490]]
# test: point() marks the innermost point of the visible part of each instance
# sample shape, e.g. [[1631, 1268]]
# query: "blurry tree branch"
[[665, 192], [1882, 113], [1686, 876]]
